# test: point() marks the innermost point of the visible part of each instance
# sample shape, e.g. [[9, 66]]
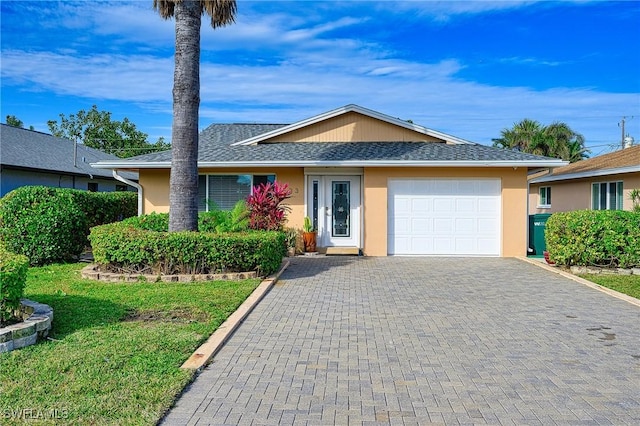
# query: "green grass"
[[117, 349], [627, 284]]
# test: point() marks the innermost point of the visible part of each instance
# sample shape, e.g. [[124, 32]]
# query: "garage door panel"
[[465, 245], [420, 226], [466, 205], [465, 225], [488, 226], [422, 243], [402, 226], [488, 205], [442, 204], [444, 216], [442, 225], [421, 204]]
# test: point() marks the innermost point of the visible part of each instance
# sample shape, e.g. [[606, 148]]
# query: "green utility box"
[[537, 223]]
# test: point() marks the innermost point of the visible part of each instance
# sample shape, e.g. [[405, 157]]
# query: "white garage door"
[[458, 217]]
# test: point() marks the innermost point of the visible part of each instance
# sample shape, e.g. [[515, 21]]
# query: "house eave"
[[587, 174], [351, 108]]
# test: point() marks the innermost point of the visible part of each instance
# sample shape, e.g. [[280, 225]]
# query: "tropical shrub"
[[51, 224], [13, 276], [215, 220], [123, 247], [634, 195], [44, 224], [266, 210], [594, 237]]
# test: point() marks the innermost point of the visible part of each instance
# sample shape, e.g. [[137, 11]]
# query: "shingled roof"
[[216, 149], [31, 150], [623, 161]]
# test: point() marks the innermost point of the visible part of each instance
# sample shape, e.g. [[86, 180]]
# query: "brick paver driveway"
[[421, 341]]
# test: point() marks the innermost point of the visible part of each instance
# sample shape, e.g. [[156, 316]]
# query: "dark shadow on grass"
[[72, 313]]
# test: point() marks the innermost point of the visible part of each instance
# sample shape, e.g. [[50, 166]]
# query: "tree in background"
[[183, 183], [97, 130], [555, 140], [14, 121]]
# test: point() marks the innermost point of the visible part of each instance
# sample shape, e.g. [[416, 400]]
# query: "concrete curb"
[[595, 286], [205, 353]]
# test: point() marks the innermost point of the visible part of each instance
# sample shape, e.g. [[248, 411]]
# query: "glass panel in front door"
[[341, 208]]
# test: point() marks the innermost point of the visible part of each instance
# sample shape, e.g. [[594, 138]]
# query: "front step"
[[353, 251]]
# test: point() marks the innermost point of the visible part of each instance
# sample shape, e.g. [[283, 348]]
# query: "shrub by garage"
[[609, 238]]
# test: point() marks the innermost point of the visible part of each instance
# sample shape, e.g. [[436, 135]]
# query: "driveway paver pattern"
[[405, 341]]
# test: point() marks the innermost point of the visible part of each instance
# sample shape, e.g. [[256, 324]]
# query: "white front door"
[[334, 208]]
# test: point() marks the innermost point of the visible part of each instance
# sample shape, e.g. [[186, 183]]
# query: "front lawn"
[[116, 348], [627, 284]]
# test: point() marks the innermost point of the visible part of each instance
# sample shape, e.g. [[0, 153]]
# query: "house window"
[[224, 191], [121, 188], [92, 187], [606, 196], [545, 197]]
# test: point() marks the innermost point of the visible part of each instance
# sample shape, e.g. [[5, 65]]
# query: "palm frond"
[[164, 7], [222, 12]]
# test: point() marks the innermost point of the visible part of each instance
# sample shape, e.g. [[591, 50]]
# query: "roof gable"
[[352, 123]]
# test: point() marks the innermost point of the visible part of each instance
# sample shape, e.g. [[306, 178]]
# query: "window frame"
[[612, 198], [544, 200], [207, 192]]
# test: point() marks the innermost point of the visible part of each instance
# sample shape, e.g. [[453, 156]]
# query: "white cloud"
[[302, 72]]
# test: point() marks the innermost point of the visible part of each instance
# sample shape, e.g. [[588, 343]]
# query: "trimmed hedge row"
[[51, 224], [124, 247], [594, 237], [213, 221], [13, 276]]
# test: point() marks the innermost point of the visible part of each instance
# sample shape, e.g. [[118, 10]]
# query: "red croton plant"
[[266, 210]]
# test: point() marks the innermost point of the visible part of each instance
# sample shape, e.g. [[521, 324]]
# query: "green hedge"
[[13, 276], [594, 237], [124, 247], [51, 224], [216, 220]]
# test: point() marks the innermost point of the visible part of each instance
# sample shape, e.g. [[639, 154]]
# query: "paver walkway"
[[345, 340]]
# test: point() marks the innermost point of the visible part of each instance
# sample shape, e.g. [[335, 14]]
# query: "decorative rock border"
[[596, 270], [91, 272], [37, 320]]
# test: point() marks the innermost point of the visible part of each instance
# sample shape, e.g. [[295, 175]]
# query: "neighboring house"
[[28, 157], [599, 183], [368, 181]]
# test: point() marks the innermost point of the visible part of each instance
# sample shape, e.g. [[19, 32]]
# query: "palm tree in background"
[[183, 184], [555, 140]]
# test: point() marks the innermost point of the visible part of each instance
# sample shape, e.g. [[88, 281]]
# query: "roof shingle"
[[29, 149]]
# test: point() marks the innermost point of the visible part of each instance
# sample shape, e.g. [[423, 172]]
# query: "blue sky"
[[468, 68]]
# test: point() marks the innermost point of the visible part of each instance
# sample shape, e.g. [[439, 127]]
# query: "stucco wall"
[[514, 207], [514, 192], [576, 194], [155, 184]]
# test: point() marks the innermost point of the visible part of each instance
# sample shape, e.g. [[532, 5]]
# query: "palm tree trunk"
[[183, 189]]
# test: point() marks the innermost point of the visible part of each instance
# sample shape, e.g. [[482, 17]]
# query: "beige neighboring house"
[[599, 183], [370, 183]]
